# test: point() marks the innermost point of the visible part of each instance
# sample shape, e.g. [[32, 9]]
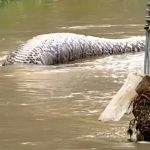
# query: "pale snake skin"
[[58, 48]]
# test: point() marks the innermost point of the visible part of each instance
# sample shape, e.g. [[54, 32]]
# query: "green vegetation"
[[4, 2]]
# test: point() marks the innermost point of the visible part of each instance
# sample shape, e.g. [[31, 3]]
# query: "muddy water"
[[57, 107]]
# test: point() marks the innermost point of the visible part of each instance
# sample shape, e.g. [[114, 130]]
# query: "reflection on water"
[[57, 107]]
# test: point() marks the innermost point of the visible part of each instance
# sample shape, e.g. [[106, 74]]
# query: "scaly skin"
[[58, 48]]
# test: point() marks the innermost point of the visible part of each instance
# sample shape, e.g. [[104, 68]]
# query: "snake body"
[[58, 48]]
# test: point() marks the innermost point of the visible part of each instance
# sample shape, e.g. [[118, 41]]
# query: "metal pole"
[[147, 44]]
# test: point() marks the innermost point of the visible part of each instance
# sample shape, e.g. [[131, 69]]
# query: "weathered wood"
[[120, 103], [144, 86], [134, 93]]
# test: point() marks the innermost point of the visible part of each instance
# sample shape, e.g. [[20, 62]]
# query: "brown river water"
[[57, 107]]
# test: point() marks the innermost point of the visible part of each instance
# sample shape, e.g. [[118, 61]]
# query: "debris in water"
[[134, 96]]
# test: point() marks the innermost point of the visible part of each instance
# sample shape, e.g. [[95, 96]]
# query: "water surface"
[[57, 107]]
